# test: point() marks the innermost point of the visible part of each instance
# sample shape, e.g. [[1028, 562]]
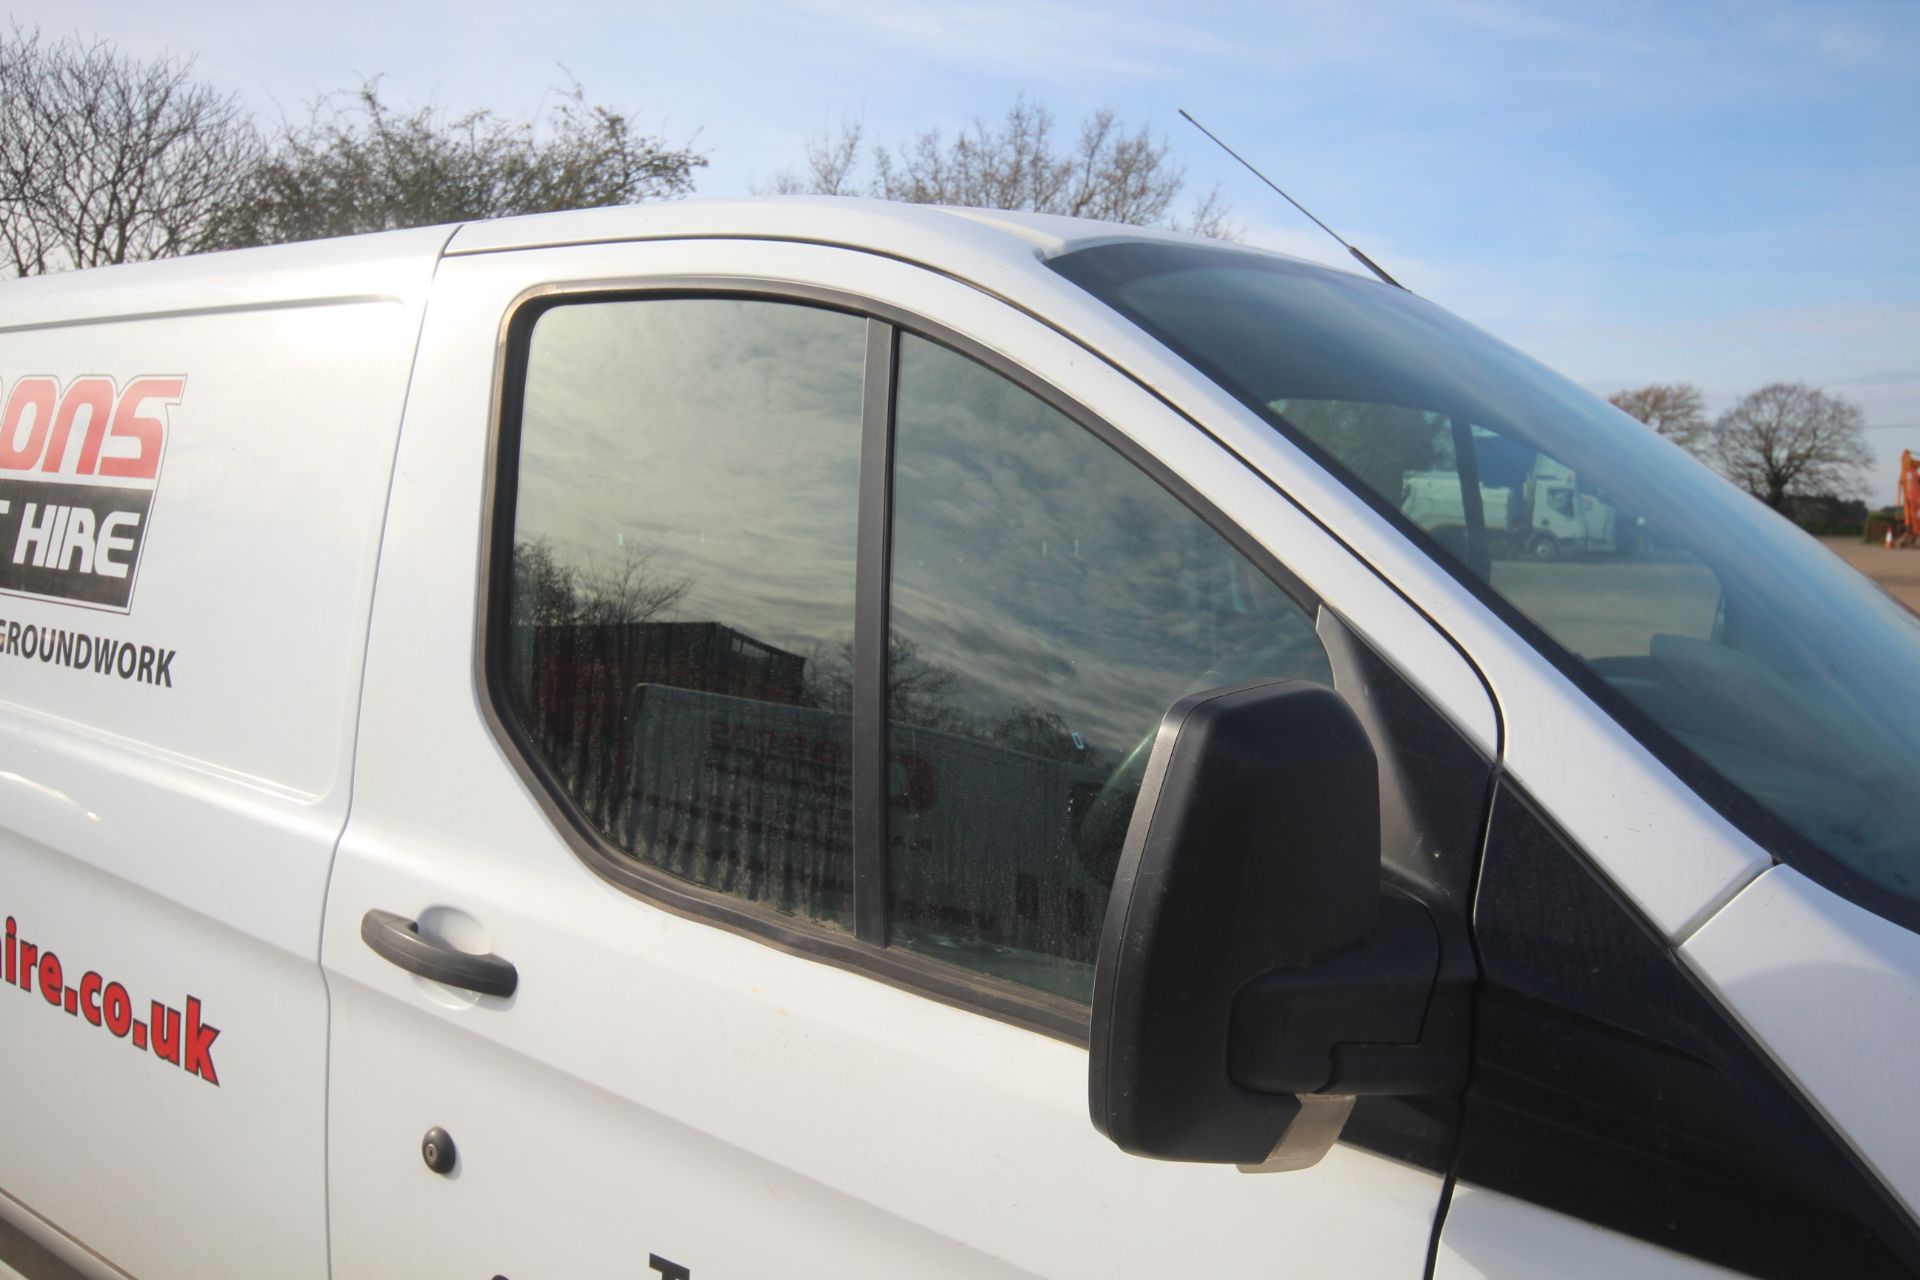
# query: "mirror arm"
[[1356, 1021], [1310, 1136]]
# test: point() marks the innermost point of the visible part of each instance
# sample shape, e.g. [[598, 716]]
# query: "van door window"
[[1049, 602], [680, 618]]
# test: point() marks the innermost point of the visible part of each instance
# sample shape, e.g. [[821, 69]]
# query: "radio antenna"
[[1363, 259]]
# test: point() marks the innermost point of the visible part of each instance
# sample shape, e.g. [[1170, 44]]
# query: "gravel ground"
[[1897, 571]]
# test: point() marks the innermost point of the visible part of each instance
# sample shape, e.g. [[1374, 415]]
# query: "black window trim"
[[1509, 1171], [863, 950], [872, 591]]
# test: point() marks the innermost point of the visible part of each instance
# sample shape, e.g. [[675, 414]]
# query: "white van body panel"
[[170, 828], [1829, 988], [891, 1134], [394, 265]]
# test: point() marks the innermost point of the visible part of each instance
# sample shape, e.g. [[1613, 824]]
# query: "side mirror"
[[1253, 974]]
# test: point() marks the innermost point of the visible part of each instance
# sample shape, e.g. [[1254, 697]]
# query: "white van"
[[703, 740]]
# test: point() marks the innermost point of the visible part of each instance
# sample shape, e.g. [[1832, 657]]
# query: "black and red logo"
[[78, 467]]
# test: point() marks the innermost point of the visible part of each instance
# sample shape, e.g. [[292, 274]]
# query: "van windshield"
[[1784, 686]]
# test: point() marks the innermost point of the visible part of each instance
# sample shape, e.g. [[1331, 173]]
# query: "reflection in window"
[[1049, 603], [681, 603], [1588, 569], [1754, 653]]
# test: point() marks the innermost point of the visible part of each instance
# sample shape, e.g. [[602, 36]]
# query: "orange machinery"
[[1910, 497]]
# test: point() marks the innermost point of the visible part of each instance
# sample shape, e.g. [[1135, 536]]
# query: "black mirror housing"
[[1254, 847]]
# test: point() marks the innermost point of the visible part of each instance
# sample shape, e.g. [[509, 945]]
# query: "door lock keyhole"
[[437, 1150]]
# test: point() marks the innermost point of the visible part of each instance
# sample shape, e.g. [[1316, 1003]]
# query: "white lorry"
[[712, 740], [1545, 516]]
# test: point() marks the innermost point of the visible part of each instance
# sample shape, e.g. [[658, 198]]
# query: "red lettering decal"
[[118, 1007], [95, 395], [200, 1038], [166, 1032], [184, 1041], [90, 997], [36, 394], [149, 432]]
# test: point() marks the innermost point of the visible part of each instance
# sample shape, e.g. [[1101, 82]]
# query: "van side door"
[[176, 741], [783, 1000]]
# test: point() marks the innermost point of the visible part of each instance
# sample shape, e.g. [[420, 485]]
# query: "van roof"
[[881, 225], [390, 265], [974, 244]]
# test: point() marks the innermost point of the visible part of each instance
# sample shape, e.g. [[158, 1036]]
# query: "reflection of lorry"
[[1546, 513]]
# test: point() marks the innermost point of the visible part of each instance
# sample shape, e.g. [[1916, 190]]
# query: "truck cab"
[[817, 737]]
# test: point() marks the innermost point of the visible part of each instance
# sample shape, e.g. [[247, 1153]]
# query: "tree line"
[[107, 158], [1795, 447]]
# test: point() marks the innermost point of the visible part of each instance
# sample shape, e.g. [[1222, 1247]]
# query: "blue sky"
[[1726, 193]]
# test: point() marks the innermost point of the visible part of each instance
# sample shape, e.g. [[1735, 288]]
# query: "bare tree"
[[1674, 409], [106, 158], [919, 692], [628, 592], [1104, 171], [360, 164], [832, 160], [550, 591], [1788, 438], [579, 644]]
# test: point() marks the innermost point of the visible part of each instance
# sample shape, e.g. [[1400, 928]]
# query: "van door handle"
[[396, 938]]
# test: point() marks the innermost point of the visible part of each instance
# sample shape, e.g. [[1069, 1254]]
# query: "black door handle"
[[396, 938]]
